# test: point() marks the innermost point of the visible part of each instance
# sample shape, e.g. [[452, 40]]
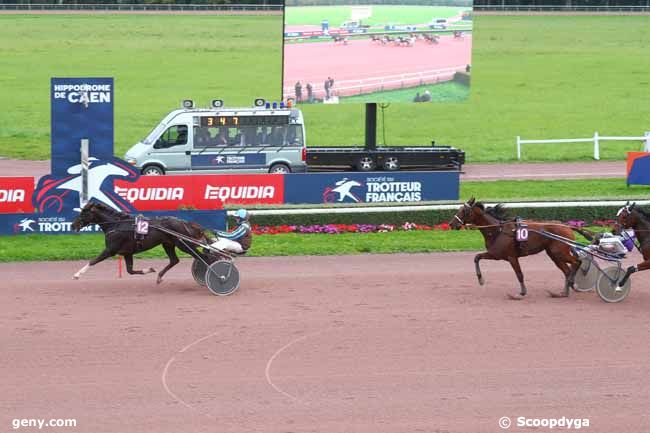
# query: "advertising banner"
[[32, 223], [376, 187], [16, 194], [201, 191], [81, 108]]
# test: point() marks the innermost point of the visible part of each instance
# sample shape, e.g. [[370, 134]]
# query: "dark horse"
[[630, 216], [119, 234], [501, 244]]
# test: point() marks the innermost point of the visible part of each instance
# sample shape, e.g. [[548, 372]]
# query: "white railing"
[[560, 8], [381, 83], [124, 7], [450, 206], [596, 139]]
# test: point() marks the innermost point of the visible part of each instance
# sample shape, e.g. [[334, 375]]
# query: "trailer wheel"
[[391, 163], [366, 163]]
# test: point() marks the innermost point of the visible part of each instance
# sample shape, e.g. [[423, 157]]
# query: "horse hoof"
[[515, 297], [556, 295], [152, 270], [75, 277], [158, 280], [481, 281]]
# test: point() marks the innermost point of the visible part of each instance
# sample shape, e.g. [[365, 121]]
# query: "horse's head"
[[89, 215], [626, 217], [466, 214]]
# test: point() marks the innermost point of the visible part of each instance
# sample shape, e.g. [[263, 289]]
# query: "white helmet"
[[242, 214]]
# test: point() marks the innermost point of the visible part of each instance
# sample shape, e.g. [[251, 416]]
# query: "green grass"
[[448, 92], [381, 15], [84, 247], [527, 190], [81, 247], [537, 77], [157, 60]]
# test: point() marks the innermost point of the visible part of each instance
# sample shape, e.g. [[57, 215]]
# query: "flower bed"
[[379, 228]]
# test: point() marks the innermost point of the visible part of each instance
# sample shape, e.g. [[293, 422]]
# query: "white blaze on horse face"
[[81, 271], [620, 211]]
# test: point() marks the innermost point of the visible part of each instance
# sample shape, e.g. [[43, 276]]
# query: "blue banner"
[[81, 108], [376, 187], [25, 224], [639, 171]]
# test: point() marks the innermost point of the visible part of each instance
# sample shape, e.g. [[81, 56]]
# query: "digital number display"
[[239, 121]]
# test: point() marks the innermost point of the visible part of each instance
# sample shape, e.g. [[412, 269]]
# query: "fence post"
[[596, 146], [646, 147], [518, 147], [85, 165]]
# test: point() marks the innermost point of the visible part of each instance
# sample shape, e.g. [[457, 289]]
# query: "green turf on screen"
[[537, 77], [381, 15]]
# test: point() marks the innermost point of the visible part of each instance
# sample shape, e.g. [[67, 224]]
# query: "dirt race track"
[[389, 343]]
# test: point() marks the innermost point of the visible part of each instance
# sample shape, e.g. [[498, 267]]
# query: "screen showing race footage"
[[415, 51]]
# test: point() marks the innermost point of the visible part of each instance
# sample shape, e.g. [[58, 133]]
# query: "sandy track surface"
[[530, 171], [388, 343]]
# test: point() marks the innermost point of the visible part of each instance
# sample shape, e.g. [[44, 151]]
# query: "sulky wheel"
[[606, 286], [587, 275], [198, 271], [222, 277]]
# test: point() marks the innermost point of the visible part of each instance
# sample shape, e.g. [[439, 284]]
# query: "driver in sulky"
[[238, 240]]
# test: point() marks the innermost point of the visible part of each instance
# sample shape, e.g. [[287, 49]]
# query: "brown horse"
[[630, 216], [501, 243]]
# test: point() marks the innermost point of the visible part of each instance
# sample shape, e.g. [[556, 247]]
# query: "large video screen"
[[416, 51]]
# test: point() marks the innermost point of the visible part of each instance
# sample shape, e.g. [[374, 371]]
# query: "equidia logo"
[[12, 195], [341, 191]]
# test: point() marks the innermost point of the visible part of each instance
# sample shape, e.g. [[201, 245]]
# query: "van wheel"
[[391, 163], [279, 169], [153, 170], [366, 163]]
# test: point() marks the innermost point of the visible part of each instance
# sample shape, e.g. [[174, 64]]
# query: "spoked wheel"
[[607, 283], [198, 271], [222, 278], [587, 275]]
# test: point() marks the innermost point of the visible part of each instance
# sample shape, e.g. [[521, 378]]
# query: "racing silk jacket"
[[242, 234]]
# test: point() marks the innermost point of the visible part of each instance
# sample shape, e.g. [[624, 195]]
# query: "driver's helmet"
[[241, 215]]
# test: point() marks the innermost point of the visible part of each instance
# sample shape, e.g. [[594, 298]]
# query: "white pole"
[[596, 146], [85, 165], [646, 147], [518, 147]]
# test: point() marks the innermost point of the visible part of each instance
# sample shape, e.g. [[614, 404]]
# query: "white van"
[[218, 140]]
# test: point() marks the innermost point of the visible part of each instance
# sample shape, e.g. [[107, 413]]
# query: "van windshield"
[[154, 134], [220, 136]]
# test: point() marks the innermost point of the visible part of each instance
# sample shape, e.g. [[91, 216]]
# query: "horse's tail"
[[584, 232]]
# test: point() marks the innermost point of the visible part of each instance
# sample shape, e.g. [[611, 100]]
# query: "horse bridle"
[[465, 206]]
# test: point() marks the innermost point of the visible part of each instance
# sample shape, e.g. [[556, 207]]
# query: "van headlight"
[[132, 161]]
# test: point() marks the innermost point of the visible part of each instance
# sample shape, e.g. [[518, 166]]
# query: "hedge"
[[433, 217]]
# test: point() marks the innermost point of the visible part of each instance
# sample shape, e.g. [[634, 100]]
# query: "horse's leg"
[[102, 256], [173, 260], [128, 261], [630, 270], [514, 262], [561, 264], [478, 258]]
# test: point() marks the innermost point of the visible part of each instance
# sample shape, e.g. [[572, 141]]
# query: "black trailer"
[[385, 158]]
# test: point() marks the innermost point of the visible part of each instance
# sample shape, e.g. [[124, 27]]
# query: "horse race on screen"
[[413, 51]]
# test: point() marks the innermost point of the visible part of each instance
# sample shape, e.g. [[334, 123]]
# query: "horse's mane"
[[111, 212], [499, 211], [643, 212]]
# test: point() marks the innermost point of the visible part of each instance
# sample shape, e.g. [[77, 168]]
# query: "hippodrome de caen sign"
[[81, 109]]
